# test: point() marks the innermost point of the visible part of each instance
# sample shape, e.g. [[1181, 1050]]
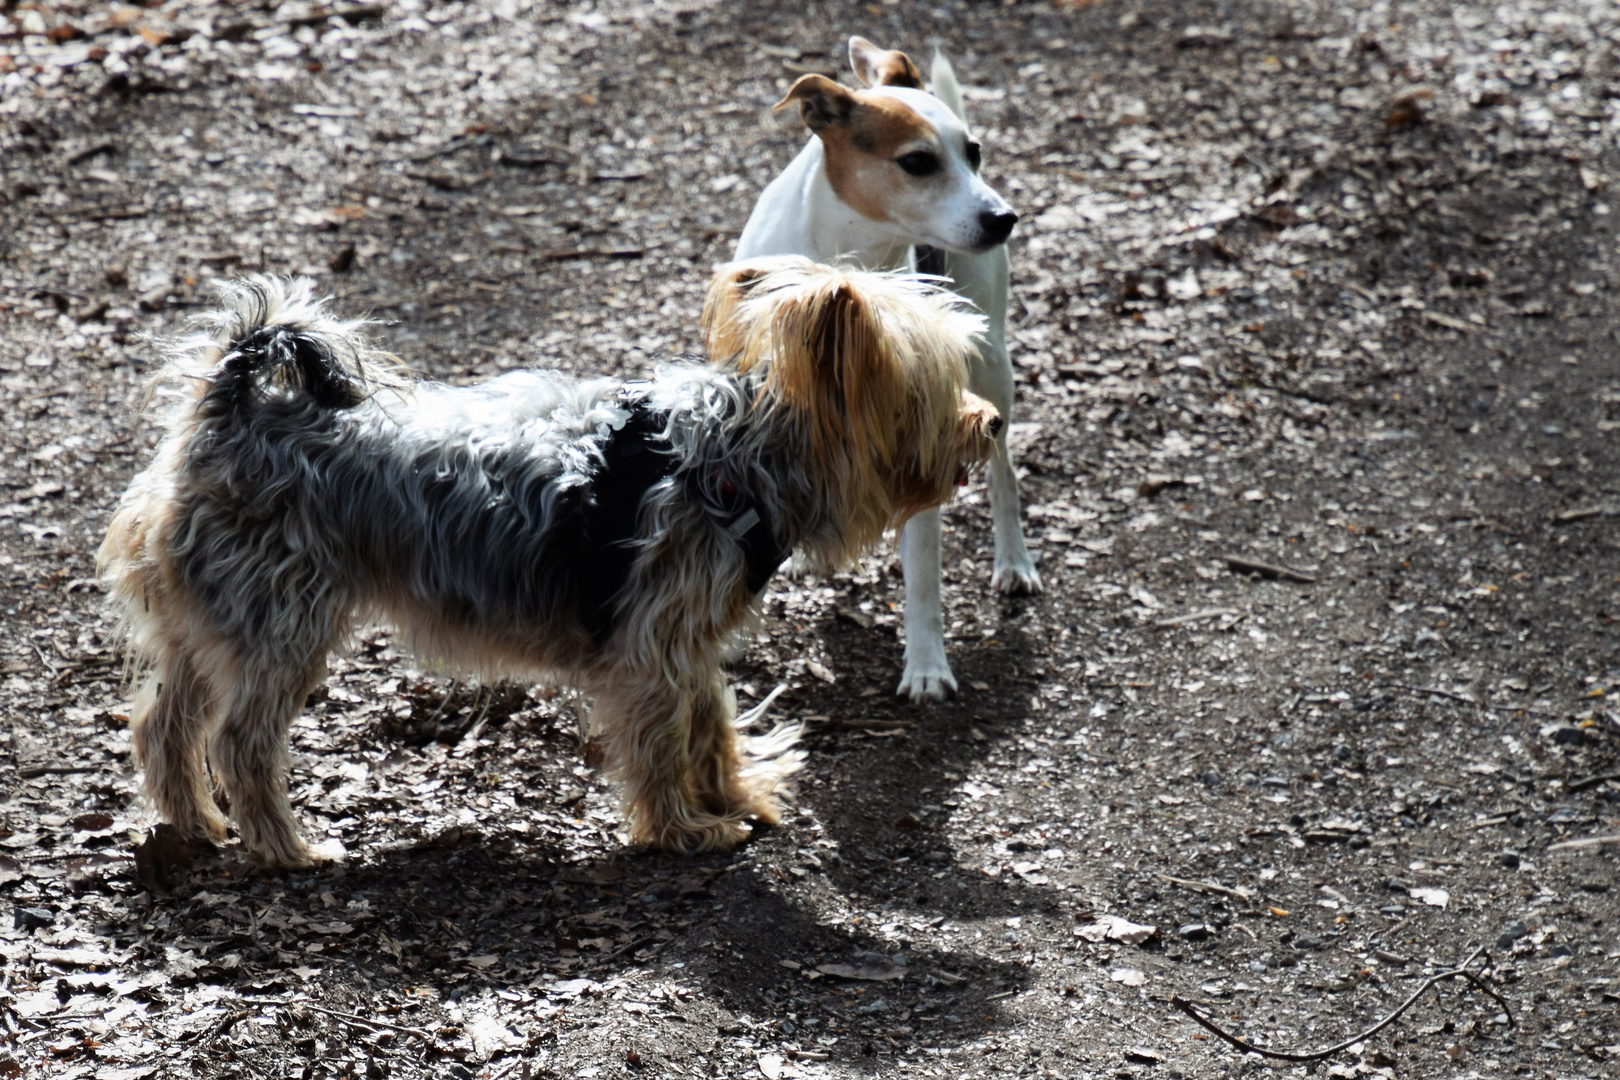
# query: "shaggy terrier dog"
[[610, 534]]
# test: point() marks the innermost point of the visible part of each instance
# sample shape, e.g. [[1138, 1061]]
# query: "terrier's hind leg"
[[173, 710], [248, 751]]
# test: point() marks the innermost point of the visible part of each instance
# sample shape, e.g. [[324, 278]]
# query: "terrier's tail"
[[271, 338]]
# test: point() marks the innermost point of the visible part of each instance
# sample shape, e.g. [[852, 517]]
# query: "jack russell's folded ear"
[[879, 67], [822, 102]]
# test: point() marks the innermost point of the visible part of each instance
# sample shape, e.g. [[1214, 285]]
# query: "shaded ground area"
[[1325, 287]]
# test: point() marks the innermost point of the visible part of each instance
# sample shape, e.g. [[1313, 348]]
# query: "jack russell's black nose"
[[996, 226]]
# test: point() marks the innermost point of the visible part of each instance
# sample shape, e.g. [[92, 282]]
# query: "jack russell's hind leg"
[[927, 676]]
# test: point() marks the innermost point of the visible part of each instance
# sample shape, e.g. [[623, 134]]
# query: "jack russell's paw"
[[1017, 579], [926, 682]]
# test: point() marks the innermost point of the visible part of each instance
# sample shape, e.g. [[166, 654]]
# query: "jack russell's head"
[[897, 154]]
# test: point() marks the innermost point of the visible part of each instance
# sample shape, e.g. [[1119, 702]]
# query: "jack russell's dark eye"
[[918, 163], [973, 155]]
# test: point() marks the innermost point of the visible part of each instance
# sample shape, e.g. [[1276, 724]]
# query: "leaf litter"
[[1311, 311]]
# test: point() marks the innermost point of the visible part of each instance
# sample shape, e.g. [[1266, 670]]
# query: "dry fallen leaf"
[[1113, 928]]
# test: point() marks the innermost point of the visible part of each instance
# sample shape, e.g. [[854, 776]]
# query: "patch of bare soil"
[[1319, 287]]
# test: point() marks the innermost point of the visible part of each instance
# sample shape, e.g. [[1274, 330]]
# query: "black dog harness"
[[635, 458]]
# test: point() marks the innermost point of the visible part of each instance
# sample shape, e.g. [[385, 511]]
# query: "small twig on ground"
[[470, 739], [1584, 512], [1466, 700], [1584, 842], [637, 944], [444, 702], [861, 725], [230, 1020], [1266, 570], [1591, 781], [43, 659], [1209, 887], [77, 671], [1192, 1011], [590, 253], [1196, 616], [32, 771], [62, 856], [350, 1018]]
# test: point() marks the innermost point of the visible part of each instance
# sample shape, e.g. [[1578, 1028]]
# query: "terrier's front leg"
[[688, 784]]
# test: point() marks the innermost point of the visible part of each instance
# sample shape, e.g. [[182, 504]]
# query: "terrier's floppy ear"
[[724, 337], [822, 102], [835, 362], [880, 67]]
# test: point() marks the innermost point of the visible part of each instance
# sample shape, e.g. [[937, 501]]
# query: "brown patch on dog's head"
[[822, 102], [863, 134], [880, 67]]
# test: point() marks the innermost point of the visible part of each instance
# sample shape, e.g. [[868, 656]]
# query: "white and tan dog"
[[890, 169]]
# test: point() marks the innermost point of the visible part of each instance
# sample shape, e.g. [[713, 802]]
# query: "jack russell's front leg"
[[927, 676]]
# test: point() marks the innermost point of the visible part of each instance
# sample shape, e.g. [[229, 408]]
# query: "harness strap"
[[746, 522], [635, 459]]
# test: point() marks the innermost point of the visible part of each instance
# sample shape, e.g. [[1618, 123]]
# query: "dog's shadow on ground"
[[477, 916], [856, 879]]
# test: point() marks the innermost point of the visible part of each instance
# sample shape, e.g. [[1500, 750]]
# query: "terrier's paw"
[[926, 682], [696, 837], [284, 853], [1017, 578]]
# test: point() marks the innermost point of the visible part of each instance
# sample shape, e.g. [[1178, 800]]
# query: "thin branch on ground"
[[1317, 1055], [351, 1018], [1198, 616], [861, 725], [1466, 700], [1209, 887], [1267, 570], [1584, 842], [29, 772]]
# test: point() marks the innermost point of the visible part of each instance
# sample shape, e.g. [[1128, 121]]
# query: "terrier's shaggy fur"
[[609, 534]]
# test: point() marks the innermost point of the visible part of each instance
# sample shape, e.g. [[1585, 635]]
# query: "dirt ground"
[[1319, 286]]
